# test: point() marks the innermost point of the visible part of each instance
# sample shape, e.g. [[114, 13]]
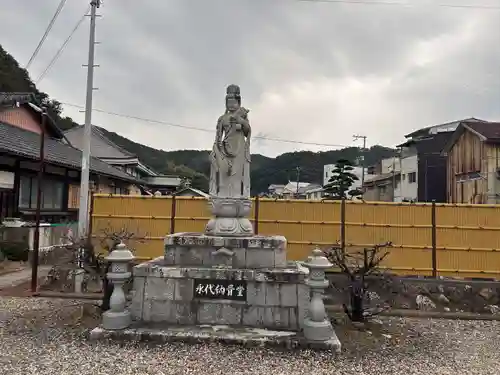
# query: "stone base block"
[[273, 299], [197, 249], [318, 331], [116, 320], [249, 337]]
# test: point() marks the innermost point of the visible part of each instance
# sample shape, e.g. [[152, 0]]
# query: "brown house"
[[381, 187], [473, 163], [20, 130], [109, 152]]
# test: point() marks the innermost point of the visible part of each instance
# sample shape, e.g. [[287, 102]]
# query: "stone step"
[[249, 337]]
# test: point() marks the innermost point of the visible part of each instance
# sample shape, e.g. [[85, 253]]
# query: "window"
[[119, 190], [404, 177], [470, 176], [25, 191], [52, 193], [412, 177]]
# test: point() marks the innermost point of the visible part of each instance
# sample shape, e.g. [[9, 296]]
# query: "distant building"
[[298, 190], [292, 190], [191, 192], [473, 163], [275, 190], [109, 152], [422, 164], [384, 181], [315, 193]]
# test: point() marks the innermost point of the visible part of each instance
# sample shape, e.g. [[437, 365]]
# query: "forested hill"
[[194, 163], [265, 170]]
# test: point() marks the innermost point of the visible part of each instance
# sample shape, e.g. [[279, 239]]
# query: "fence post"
[[342, 225], [433, 239], [172, 215], [256, 217]]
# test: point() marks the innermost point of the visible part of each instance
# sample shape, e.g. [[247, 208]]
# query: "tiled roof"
[[199, 192], [448, 124], [381, 177], [27, 100], [489, 130], [24, 143]]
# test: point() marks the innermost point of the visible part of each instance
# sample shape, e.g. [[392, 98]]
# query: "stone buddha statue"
[[230, 171], [230, 157]]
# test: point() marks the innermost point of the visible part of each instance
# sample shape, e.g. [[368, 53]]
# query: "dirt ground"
[[21, 290], [7, 267]]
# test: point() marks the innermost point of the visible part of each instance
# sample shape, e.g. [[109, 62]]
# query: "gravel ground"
[[40, 336]]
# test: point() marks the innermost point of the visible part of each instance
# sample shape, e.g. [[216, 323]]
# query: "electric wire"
[[189, 127], [47, 31], [404, 4], [61, 49]]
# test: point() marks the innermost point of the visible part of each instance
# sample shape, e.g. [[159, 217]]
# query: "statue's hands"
[[238, 127]]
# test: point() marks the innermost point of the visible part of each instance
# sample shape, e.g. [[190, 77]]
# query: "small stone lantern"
[[118, 316], [317, 326]]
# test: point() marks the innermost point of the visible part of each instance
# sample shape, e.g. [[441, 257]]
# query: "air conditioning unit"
[[13, 222]]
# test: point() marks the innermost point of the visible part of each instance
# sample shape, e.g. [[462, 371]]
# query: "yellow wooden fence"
[[451, 240]]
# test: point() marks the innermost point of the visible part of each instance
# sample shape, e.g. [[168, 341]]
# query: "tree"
[[362, 270], [339, 185]]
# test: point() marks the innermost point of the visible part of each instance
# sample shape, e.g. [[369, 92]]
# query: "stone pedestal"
[[201, 250], [216, 280], [258, 298], [230, 217]]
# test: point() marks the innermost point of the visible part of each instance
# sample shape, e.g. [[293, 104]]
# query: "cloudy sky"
[[309, 71]]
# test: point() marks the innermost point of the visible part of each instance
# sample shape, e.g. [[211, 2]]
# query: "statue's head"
[[232, 104], [233, 98]]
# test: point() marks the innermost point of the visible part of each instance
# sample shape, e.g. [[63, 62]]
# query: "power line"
[[396, 3], [61, 49], [47, 31], [189, 127]]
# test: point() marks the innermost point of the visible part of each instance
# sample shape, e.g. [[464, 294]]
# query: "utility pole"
[[39, 197], [363, 137], [298, 179], [394, 178], [84, 185]]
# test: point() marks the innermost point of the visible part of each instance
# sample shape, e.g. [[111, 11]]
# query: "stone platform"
[[197, 249], [248, 337], [275, 298]]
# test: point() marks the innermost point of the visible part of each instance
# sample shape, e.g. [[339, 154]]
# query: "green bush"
[[14, 251]]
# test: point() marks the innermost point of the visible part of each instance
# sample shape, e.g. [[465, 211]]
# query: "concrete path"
[[19, 277]]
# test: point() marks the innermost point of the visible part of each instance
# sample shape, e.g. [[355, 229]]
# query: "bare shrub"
[[82, 255], [362, 271]]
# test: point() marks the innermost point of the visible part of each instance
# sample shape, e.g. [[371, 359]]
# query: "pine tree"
[[339, 185]]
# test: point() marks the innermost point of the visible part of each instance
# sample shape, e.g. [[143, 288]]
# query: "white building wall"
[[327, 173], [408, 188], [391, 165], [387, 165]]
